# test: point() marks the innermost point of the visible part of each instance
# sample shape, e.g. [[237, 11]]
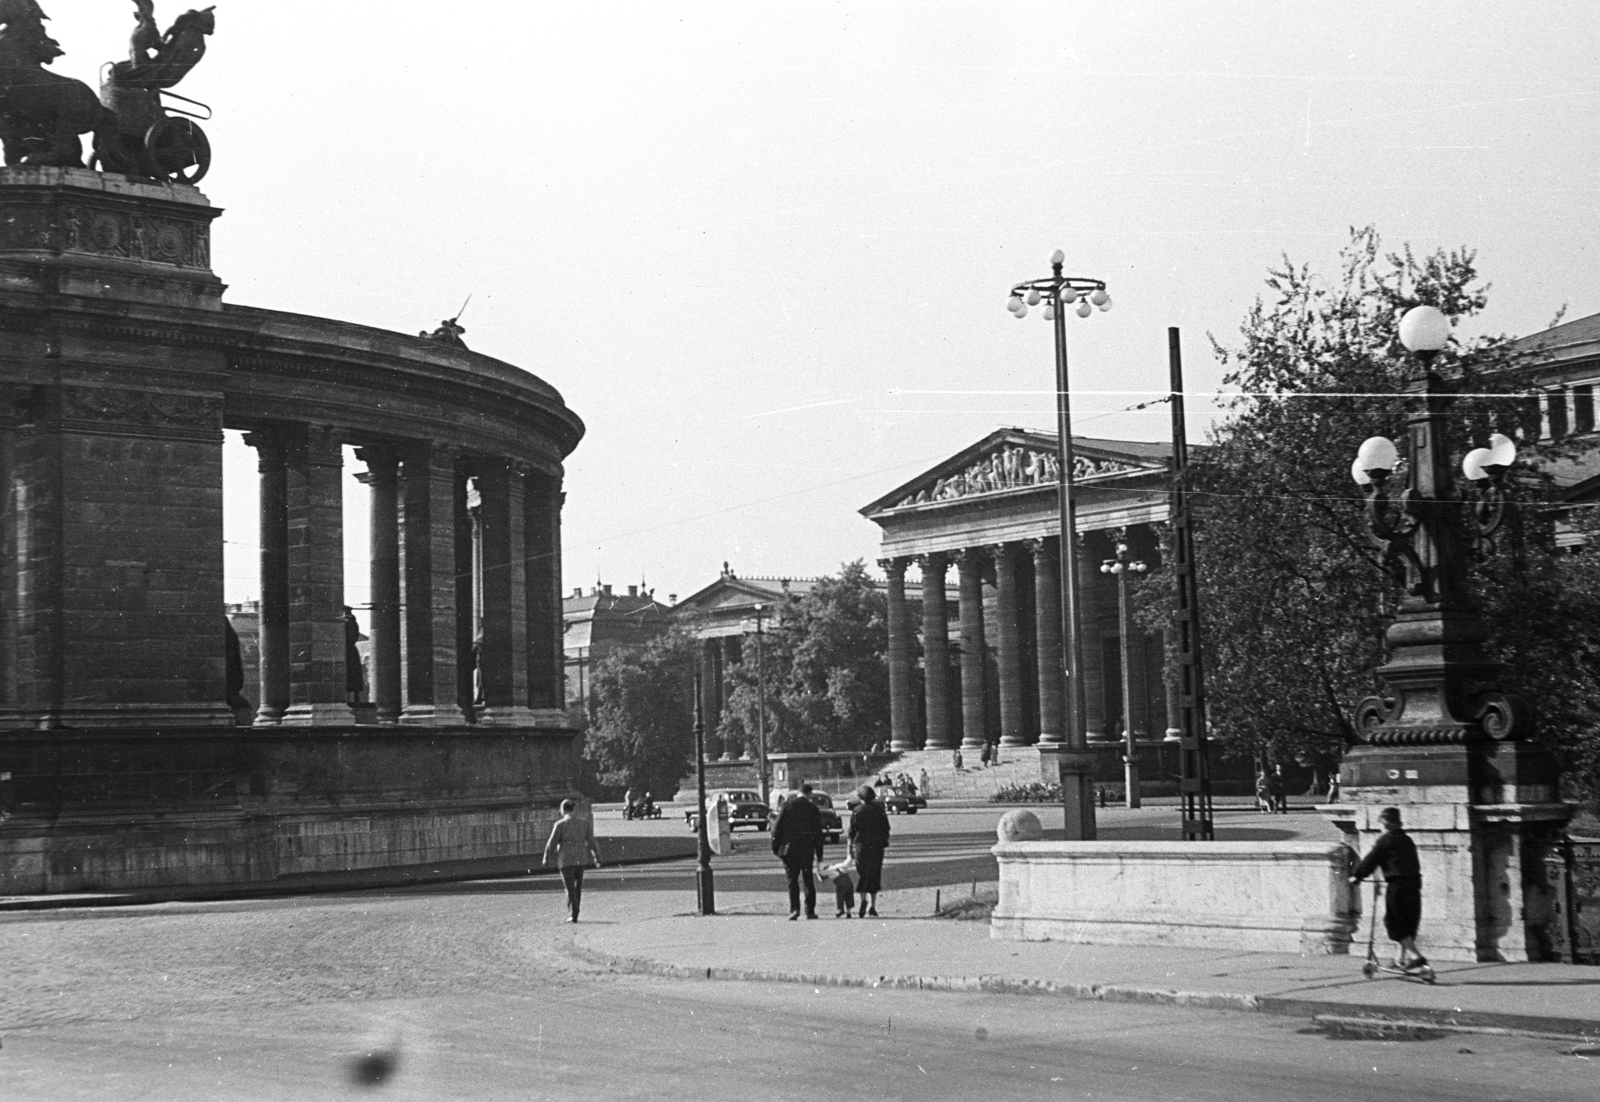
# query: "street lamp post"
[[1438, 672], [1057, 293], [705, 892], [761, 711], [1122, 567]]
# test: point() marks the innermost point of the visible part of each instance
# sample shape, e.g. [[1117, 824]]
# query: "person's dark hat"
[[1389, 815], [867, 793]]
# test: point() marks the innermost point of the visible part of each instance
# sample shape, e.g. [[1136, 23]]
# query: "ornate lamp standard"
[[1057, 293], [1121, 567], [1442, 741]]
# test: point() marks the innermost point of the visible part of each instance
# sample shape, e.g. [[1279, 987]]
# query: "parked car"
[[902, 802], [745, 809], [832, 825]]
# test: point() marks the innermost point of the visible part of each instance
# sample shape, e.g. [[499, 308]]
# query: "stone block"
[[1286, 897]]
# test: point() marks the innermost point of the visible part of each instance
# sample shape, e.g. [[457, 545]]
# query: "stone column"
[[1047, 634], [317, 691], [383, 481], [505, 598], [710, 696], [429, 476], [468, 610], [542, 531], [1008, 648], [273, 622], [936, 653], [969, 562], [727, 658], [1095, 592], [901, 736]]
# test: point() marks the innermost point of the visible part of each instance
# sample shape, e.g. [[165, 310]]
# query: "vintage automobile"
[[832, 825], [745, 809], [903, 801]]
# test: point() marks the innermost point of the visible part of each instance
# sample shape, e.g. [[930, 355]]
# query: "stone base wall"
[[103, 811], [1282, 897]]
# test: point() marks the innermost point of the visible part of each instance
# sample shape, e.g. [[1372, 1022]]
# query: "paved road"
[[473, 987]]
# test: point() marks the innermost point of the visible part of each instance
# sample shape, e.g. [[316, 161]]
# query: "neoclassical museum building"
[[977, 659], [129, 756]]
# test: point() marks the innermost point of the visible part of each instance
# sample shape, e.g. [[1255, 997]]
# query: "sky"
[[764, 250]]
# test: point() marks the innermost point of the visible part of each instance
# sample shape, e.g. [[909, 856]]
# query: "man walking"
[[571, 843], [1396, 854], [797, 841]]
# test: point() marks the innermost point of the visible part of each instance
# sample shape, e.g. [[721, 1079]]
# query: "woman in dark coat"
[[869, 837]]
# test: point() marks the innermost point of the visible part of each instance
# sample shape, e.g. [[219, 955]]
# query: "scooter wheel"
[[1369, 970], [1427, 974]]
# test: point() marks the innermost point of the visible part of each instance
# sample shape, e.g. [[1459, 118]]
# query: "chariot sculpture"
[[136, 130]]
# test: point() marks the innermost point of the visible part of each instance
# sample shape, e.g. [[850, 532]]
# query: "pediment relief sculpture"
[[1010, 468]]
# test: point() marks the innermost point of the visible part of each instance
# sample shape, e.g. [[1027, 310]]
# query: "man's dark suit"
[[797, 839]]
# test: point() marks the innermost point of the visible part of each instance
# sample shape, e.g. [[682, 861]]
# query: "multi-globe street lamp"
[[1057, 293], [1439, 675], [1122, 568]]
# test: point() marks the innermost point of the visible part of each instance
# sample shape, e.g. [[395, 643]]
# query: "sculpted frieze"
[[131, 407], [1010, 468], [136, 237]]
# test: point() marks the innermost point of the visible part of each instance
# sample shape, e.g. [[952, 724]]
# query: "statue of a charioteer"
[[136, 131]]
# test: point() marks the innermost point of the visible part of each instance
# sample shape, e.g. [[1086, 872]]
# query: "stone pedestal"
[[1483, 815]]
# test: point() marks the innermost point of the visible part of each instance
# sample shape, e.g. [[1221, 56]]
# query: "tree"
[[827, 673], [1294, 593], [643, 731]]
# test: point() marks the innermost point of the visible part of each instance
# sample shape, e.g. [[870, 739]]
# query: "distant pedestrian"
[[1279, 791], [922, 782], [1263, 792], [1333, 788], [955, 759], [983, 756], [797, 841], [869, 837], [571, 844], [1396, 855]]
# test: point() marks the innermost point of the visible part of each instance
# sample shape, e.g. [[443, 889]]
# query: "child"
[[1396, 855], [844, 888]]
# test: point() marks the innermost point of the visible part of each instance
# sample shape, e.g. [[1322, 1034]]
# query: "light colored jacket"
[[572, 842]]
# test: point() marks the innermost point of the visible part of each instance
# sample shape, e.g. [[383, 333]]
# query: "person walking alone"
[[797, 841], [571, 843], [1396, 854], [869, 837]]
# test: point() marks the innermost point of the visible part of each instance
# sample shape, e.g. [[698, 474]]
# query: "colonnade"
[[466, 603], [1002, 674]]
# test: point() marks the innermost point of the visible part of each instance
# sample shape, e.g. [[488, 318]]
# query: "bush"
[[1036, 792]]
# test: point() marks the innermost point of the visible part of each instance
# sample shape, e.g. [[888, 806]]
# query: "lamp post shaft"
[[705, 893], [761, 712], [1130, 747], [1077, 777]]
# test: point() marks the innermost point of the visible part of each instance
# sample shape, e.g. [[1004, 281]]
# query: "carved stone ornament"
[[135, 237], [130, 407], [1010, 468]]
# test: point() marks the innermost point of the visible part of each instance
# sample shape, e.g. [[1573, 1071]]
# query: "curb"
[[225, 892], [1572, 1029]]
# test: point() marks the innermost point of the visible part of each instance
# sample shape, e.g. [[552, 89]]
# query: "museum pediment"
[[1012, 464]]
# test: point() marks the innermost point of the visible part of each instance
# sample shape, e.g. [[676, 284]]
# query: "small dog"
[[844, 888]]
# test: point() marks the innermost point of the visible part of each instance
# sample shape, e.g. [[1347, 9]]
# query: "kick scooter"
[[1374, 965]]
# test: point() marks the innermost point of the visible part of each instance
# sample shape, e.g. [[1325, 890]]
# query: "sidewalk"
[[750, 939]]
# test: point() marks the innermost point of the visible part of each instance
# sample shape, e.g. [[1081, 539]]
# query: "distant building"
[[1562, 367], [723, 616], [599, 622]]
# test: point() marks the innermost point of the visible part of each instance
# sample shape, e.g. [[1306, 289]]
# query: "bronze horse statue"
[[42, 113], [145, 140]]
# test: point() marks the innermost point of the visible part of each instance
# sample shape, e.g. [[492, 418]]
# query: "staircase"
[[1018, 765]]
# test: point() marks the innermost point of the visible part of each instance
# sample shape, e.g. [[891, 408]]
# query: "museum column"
[[1008, 648], [272, 637], [1047, 636], [1096, 594], [469, 610], [969, 564], [384, 548], [710, 694], [727, 659], [317, 687], [901, 736], [505, 599], [542, 532], [428, 479], [936, 653]]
